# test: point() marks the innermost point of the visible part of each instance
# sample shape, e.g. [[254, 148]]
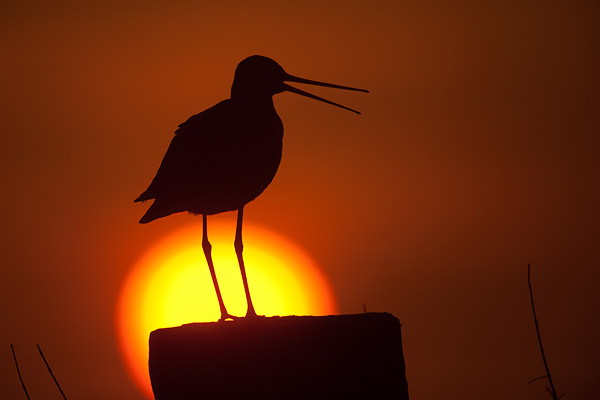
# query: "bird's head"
[[261, 77]]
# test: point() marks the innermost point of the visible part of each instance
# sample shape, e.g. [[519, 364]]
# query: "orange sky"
[[477, 152]]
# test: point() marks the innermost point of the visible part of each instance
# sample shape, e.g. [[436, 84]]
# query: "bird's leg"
[[207, 247], [239, 247]]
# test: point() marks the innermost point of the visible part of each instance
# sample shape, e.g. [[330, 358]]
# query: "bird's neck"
[[253, 102]]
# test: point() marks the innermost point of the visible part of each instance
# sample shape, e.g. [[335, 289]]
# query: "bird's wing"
[[197, 124], [187, 159]]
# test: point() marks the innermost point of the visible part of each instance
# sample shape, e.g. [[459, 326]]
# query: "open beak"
[[291, 78]]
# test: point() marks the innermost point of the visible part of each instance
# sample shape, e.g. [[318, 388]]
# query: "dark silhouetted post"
[[273, 358], [51, 373], [19, 372]]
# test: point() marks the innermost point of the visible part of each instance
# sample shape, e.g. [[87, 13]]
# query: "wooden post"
[[355, 357]]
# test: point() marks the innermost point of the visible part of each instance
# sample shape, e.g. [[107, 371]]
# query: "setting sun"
[[170, 285]]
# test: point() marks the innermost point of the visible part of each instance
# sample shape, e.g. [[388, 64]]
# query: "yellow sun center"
[[170, 285]]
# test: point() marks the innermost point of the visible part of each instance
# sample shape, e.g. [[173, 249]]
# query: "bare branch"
[[537, 329], [51, 373], [536, 379], [19, 372]]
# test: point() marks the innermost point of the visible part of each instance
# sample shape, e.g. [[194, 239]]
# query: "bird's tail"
[[143, 197], [156, 210]]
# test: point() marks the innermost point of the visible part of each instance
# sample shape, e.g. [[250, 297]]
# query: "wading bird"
[[224, 157]]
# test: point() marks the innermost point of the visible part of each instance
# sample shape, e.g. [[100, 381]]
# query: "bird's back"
[[218, 160]]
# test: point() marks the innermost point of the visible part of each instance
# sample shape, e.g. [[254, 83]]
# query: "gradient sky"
[[477, 152]]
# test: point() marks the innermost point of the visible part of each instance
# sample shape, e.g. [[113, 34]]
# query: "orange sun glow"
[[170, 285]]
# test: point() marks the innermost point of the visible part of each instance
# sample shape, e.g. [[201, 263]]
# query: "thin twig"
[[537, 329], [50, 370], [536, 379], [19, 372]]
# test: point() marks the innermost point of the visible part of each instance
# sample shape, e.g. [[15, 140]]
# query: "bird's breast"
[[258, 147], [244, 162]]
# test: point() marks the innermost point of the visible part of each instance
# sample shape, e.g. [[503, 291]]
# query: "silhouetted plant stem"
[[51, 373], [19, 372], [537, 329]]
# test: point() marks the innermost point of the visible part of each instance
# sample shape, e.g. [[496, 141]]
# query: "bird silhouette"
[[224, 157]]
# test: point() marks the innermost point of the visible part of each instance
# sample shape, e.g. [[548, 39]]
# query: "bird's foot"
[[251, 314], [226, 316]]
